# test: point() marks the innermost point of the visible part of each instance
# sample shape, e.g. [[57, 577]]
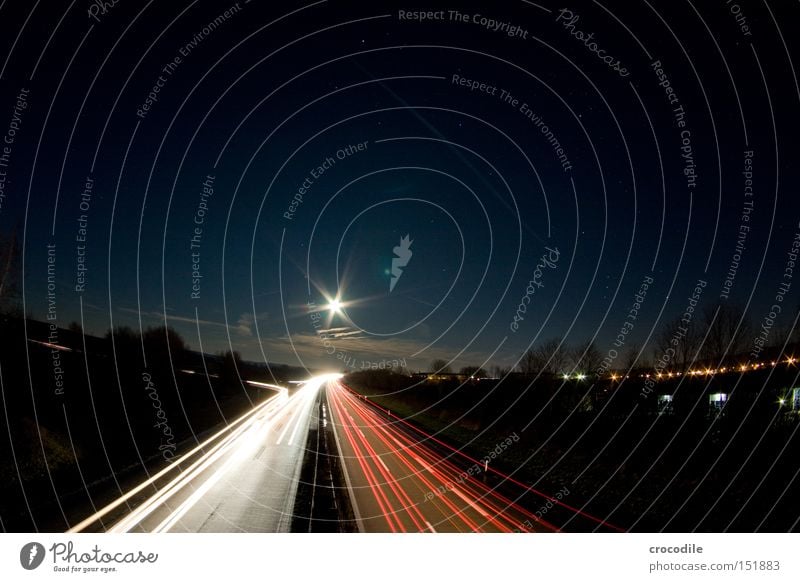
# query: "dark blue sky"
[[473, 178]]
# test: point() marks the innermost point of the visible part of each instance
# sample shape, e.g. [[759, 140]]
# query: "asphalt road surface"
[[243, 479], [399, 484]]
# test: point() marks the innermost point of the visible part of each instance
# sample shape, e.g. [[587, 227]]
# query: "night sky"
[[559, 153]]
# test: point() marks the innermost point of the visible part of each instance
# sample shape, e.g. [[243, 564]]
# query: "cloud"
[[340, 332], [158, 317], [310, 350], [243, 326]]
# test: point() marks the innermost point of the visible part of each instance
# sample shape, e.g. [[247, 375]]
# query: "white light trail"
[[236, 439]]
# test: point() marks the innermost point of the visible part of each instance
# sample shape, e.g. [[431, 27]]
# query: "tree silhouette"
[[585, 357], [726, 331], [9, 274], [441, 367], [678, 342]]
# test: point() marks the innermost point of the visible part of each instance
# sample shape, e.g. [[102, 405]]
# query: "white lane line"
[[384, 465], [194, 470], [189, 474], [468, 500], [250, 442], [348, 482], [285, 429], [231, 427], [305, 405], [423, 463], [302, 415]]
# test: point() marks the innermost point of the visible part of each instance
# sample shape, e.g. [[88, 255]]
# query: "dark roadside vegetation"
[[91, 416], [625, 454]]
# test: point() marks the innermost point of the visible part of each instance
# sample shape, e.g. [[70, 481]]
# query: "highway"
[[399, 484], [242, 479], [245, 477]]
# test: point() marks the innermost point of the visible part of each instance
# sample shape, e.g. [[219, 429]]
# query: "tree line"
[[723, 335]]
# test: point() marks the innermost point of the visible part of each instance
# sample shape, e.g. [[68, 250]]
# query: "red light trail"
[[401, 484]]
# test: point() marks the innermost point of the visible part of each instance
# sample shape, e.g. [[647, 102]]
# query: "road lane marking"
[[151, 481], [284, 431], [304, 412], [197, 468], [468, 500], [160, 498], [423, 463], [250, 439], [296, 427], [345, 471]]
